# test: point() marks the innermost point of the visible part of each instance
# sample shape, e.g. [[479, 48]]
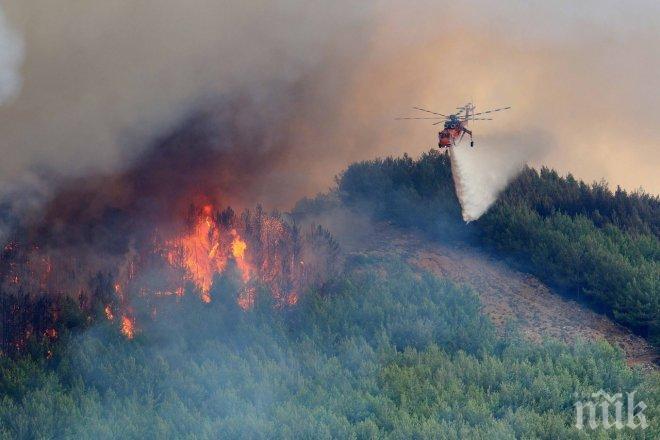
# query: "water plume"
[[481, 172]]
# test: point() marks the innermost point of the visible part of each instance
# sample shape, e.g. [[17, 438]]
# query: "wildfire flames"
[[119, 247], [127, 327], [204, 252], [207, 248], [255, 249]]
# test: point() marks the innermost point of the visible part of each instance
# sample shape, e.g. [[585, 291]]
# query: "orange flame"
[[265, 250], [292, 299], [203, 250], [200, 252], [200, 258], [238, 247], [127, 327]]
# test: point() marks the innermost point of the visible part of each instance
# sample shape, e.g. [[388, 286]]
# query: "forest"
[[383, 351], [378, 348], [590, 243]]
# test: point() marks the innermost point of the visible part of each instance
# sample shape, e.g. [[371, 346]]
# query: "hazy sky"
[[101, 78]]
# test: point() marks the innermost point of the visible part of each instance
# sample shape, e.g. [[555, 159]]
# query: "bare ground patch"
[[510, 295]]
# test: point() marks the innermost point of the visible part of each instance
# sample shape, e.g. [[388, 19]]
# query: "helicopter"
[[455, 125]]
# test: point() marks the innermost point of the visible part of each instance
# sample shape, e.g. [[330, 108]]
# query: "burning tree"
[[105, 244], [41, 282]]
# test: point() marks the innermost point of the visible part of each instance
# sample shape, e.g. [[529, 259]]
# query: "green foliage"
[[411, 193], [608, 267], [583, 239], [546, 192], [382, 352]]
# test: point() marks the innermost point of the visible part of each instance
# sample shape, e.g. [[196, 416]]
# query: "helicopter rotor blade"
[[429, 111], [491, 111]]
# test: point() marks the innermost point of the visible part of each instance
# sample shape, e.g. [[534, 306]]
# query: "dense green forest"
[[379, 350], [585, 240], [383, 351]]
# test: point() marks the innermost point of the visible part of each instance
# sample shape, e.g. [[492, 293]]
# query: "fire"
[[127, 327], [238, 247], [266, 251], [204, 250], [212, 240], [292, 299], [197, 252]]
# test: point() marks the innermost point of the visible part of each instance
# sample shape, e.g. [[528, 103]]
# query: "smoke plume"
[[11, 57], [102, 79], [165, 227]]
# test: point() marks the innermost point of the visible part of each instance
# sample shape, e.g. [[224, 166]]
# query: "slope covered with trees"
[[378, 350], [587, 241], [383, 351]]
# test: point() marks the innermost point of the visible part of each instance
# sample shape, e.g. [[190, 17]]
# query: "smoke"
[[130, 111], [482, 172], [106, 83], [102, 80], [11, 57], [164, 222], [315, 87]]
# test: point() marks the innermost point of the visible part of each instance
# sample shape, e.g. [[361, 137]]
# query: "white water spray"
[[481, 172]]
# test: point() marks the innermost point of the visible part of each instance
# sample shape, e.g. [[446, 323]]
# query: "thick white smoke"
[[483, 171], [11, 58]]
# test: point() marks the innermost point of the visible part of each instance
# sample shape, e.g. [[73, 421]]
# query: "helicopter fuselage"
[[452, 132]]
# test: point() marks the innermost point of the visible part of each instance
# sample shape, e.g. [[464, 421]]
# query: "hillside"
[[383, 351], [510, 298], [587, 242], [405, 323]]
